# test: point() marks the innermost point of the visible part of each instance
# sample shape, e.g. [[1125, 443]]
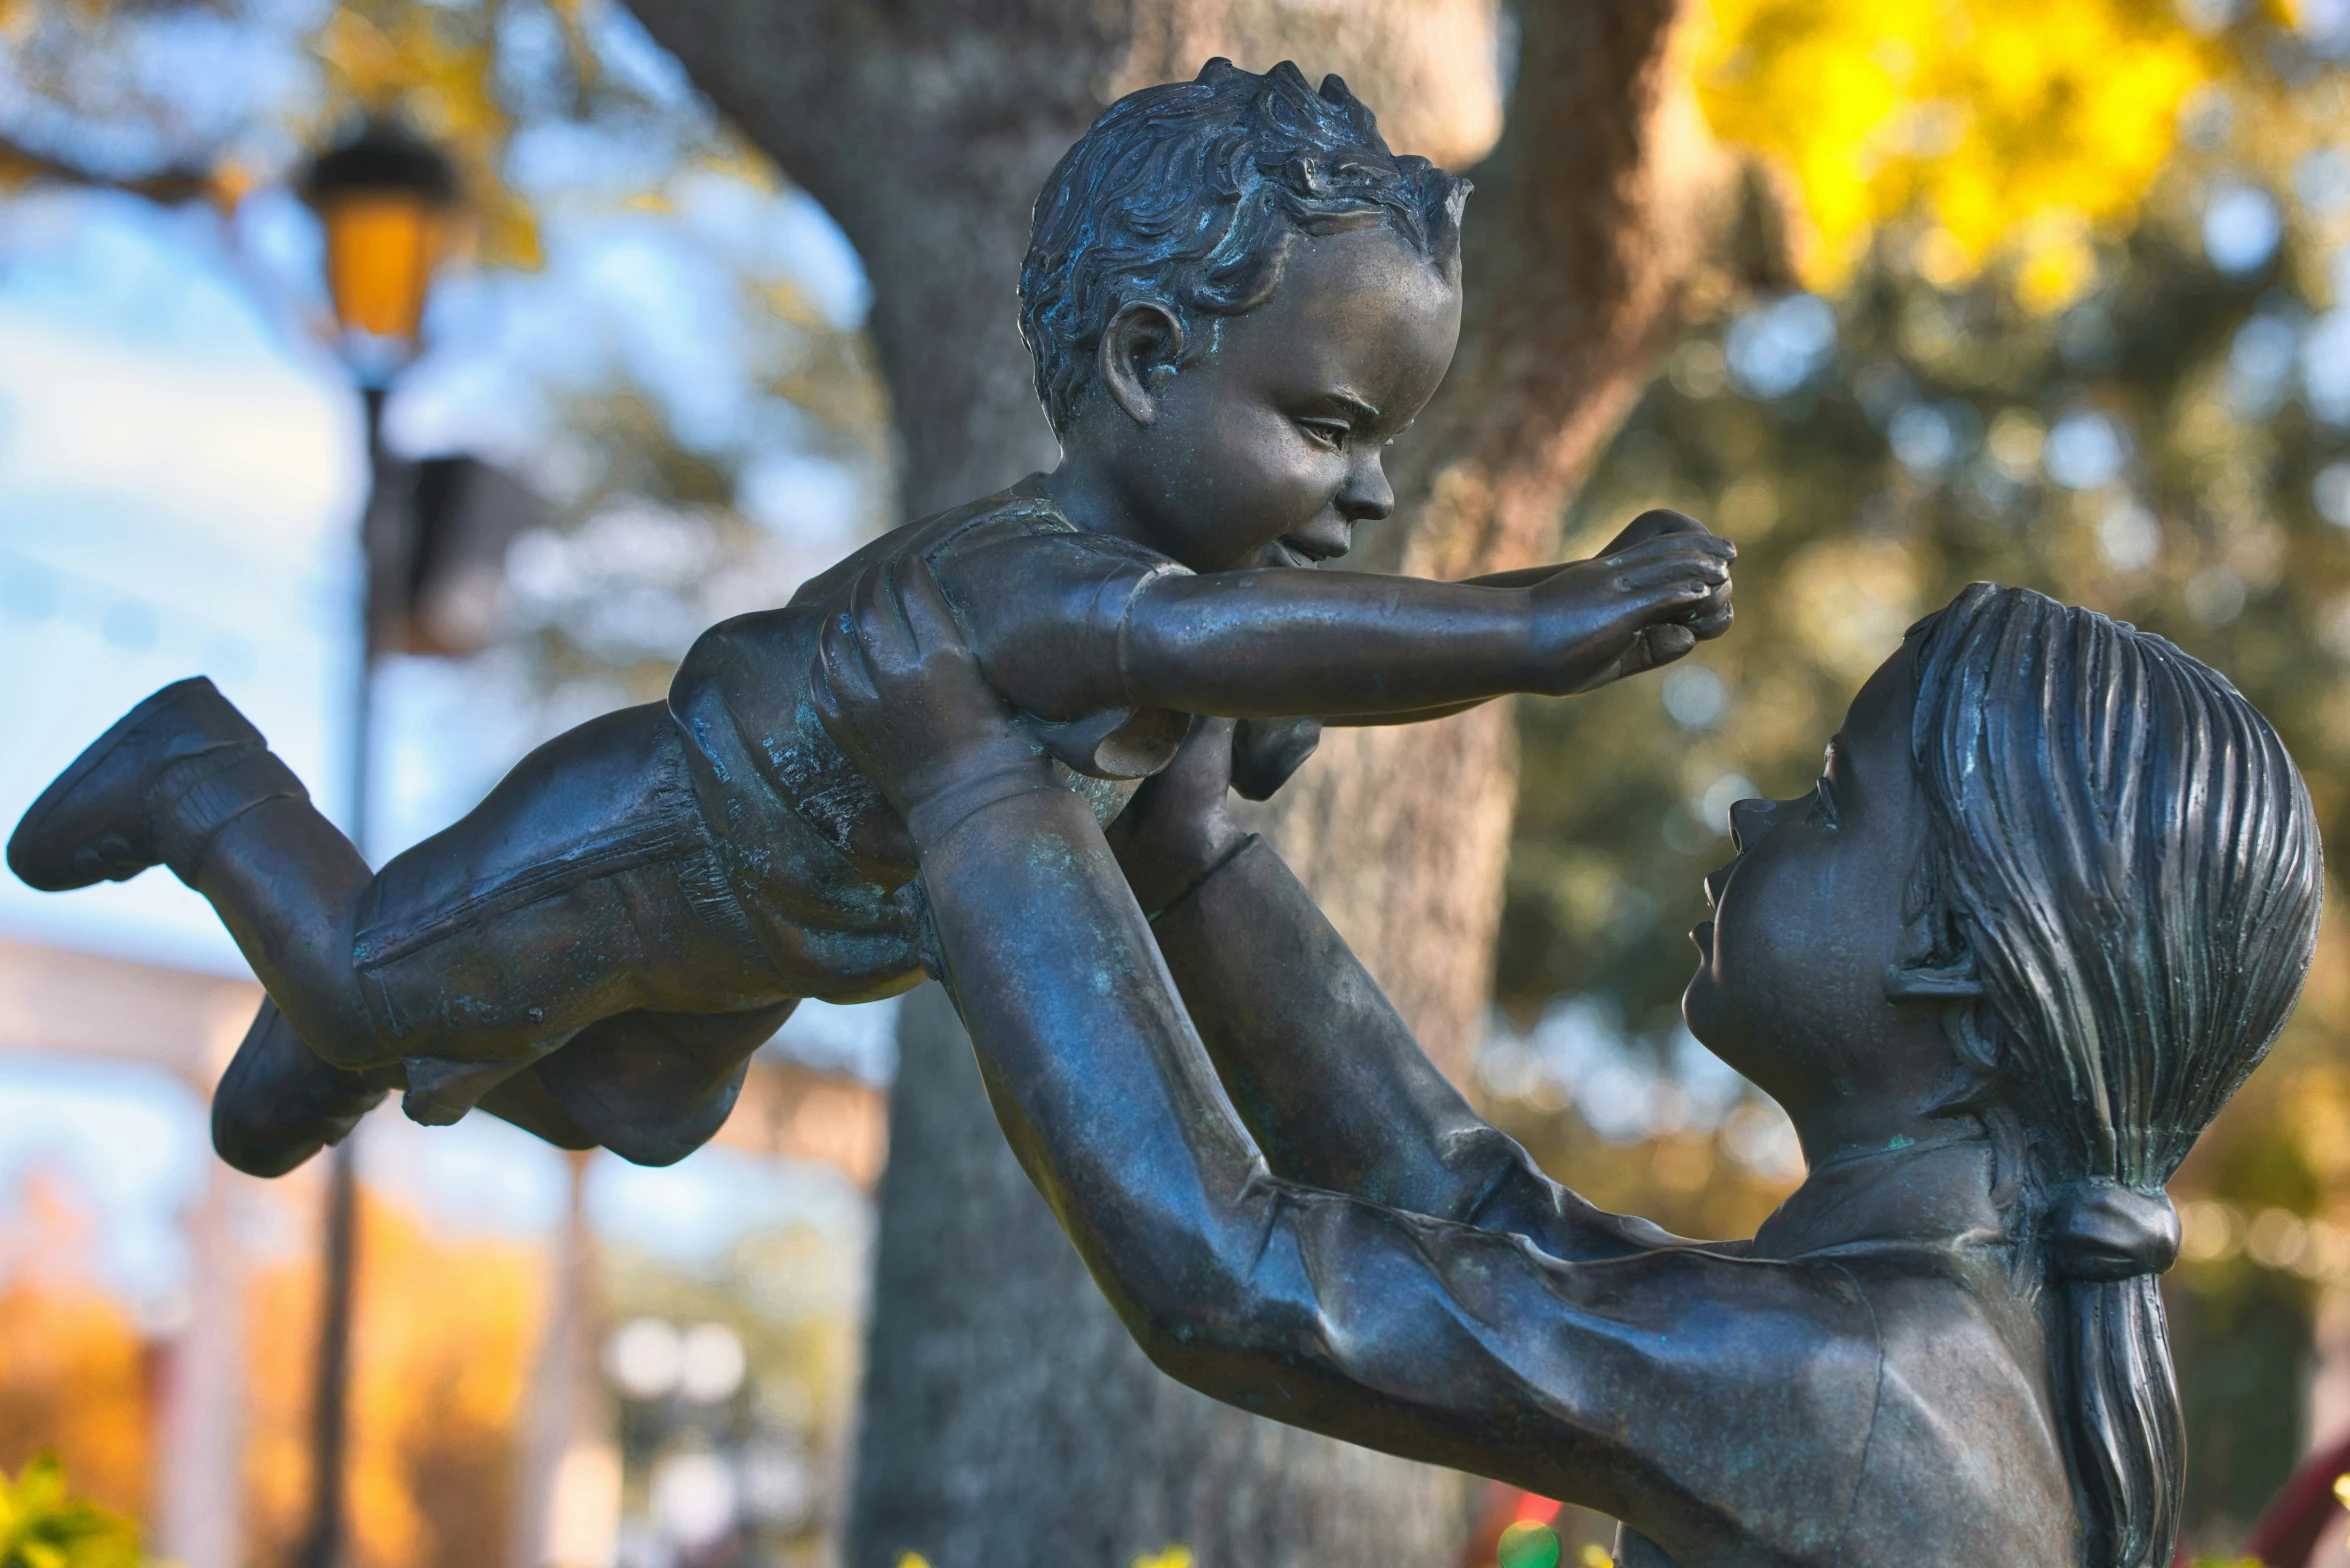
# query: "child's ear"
[[1138, 353]]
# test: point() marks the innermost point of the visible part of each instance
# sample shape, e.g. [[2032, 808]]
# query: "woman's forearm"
[[1327, 1078], [1101, 1087], [1330, 1082], [1276, 643]]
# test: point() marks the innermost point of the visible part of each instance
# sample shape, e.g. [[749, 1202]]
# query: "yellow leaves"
[[42, 1527], [2018, 125]]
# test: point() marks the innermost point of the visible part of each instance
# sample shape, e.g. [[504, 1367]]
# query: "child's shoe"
[[153, 790], [280, 1102]]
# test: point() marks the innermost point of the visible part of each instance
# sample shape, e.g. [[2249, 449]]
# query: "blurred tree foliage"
[[2020, 125], [73, 1371], [2156, 427], [442, 1350]]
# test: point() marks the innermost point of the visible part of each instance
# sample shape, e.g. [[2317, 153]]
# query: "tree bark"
[[1007, 1417]]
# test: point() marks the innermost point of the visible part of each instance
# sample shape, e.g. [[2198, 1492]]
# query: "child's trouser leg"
[[586, 885], [651, 1087], [654, 1086]]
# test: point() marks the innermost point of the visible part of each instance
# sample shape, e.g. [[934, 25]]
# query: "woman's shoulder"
[[1841, 1406]]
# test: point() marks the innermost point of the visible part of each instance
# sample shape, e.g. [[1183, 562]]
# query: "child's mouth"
[[1289, 551]]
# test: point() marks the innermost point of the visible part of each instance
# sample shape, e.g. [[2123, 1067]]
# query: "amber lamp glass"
[[386, 200]]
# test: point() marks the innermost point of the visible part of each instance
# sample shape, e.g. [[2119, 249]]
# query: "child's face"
[[1267, 450]]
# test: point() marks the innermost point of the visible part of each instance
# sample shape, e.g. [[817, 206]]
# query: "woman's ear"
[[1930, 986], [1138, 352]]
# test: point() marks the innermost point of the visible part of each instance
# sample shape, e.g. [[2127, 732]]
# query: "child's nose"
[[1366, 497]]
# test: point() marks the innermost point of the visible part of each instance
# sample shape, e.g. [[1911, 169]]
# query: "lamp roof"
[[384, 158]]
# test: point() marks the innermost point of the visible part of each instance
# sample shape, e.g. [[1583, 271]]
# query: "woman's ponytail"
[[2122, 855]]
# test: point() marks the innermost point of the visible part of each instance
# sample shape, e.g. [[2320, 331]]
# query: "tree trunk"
[[1008, 1419], [1589, 223]]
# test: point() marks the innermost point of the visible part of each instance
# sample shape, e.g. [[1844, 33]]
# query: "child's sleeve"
[[1045, 614]]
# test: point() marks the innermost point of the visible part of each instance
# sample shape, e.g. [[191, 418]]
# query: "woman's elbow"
[[1205, 1320]]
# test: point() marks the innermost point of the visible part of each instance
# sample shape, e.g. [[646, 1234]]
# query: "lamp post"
[[387, 201]]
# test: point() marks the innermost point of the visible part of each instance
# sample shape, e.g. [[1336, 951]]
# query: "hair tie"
[[2101, 1230]]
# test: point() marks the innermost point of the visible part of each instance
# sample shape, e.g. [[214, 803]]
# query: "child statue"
[[1236, 297]]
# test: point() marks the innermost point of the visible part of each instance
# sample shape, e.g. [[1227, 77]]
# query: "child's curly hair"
[[1187, 196]]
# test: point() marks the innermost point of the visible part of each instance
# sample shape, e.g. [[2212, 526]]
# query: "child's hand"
[[899, 692], [1659, 589]]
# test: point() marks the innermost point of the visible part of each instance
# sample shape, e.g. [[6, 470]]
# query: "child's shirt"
[[818, 858]]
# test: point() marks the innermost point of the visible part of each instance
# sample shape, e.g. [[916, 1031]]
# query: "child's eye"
[[1331, 433], [1823, 805]]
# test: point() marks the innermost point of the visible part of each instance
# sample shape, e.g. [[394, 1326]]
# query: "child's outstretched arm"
[[1383, 649]]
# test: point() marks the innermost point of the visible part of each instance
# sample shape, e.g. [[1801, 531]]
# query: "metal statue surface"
[[2054, 895], [1235, 297]]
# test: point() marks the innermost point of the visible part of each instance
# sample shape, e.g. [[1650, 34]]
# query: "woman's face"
[[1808, 918]]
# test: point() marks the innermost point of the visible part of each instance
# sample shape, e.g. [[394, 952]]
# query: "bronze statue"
[[1236, 296], [2052, 898]]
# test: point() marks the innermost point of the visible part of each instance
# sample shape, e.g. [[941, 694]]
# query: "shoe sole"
[[31, 825]]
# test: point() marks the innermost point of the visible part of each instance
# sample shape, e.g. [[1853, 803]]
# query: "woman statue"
[[2052, 898]]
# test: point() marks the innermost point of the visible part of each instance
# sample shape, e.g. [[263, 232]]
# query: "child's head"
[[2063, 877], [1153, 300]]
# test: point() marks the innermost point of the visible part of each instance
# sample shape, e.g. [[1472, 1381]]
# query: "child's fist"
[[1650, 597]]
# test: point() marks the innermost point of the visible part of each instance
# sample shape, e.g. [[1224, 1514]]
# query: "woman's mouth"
[[1703, 935], [1717, 882]]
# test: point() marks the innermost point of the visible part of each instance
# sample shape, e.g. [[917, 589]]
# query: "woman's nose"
[[1366, 497], [1749, 821]]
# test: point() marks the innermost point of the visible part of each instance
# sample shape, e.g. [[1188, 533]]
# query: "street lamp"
[[388, 203]]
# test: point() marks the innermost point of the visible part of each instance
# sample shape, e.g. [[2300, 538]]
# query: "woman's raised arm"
[[1620, 1384], [1326, 1076]]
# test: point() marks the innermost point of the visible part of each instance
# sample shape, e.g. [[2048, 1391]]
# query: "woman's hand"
[[900, 693], [1175, 830]]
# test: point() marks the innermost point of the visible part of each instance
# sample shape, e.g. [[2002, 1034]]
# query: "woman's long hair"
[[2123, 869]]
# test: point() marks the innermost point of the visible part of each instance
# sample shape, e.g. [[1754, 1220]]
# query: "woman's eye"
[[1823, 805]]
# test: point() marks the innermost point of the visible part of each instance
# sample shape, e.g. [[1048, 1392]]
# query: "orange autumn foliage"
[[443, 1342], [441, 1353], [74, 1372]]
